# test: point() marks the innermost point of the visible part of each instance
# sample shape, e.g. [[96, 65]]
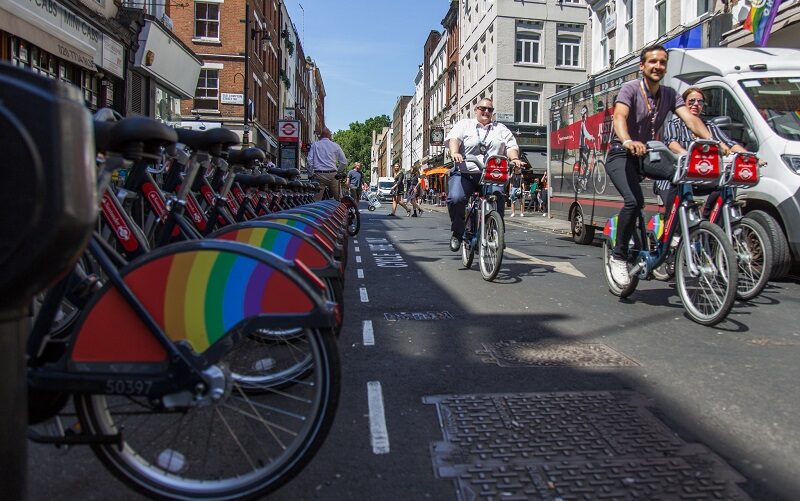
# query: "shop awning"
[[436, 170]]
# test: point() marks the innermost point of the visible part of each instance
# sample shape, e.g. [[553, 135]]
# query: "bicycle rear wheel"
[[707, 297], [753, 255], [243, 446], [490, 249], [599, 177]]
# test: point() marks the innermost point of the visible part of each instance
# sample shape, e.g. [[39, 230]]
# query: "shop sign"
[[226, 98], [113, 56], [61, 22]]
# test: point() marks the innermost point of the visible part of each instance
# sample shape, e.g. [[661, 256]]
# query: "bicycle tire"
[[781, 253], [171, 472], [490, 248], [467, 255], [599, 177], [578, 179], [613, 286], [715, 260], [753, 255]]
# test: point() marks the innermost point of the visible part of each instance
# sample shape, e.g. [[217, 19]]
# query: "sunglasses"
[[485, 108], [699, 102]]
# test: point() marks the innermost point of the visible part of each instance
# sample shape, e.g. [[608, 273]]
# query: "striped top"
[[676, 130]]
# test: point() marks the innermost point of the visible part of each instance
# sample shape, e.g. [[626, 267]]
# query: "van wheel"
[[581, 232], [781, 255]]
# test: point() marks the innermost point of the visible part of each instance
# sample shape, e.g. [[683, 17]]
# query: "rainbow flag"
[[759, 21]]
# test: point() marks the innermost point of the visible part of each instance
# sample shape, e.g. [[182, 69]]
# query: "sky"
[[368, 52]]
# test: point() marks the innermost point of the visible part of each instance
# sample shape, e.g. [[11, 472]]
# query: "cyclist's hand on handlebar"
[[726, 150], [458, 158], [637, 148], [518, 162]]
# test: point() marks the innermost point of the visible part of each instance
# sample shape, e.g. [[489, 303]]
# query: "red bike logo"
[[704, 167], [745, 173], [114, 218]]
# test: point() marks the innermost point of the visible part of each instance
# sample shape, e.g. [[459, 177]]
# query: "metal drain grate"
[[553, 354], [418, 315], [581, 445]]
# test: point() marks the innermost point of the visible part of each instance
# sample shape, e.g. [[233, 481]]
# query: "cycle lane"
[[416, 358]]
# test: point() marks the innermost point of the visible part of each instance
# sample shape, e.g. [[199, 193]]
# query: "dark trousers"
[[459, 188], [623, 170]]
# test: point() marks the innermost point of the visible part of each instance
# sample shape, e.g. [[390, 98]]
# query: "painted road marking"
[[360, 273], [358, 249], [369, 334], [557, 266], [364, 297], [358, 259], [377, 420], [355, 242], [386, 256]]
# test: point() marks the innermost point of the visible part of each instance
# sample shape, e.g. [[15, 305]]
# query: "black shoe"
[[455, 242], [414, 215]]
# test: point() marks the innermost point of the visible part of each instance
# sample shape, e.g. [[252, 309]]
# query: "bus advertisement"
[[580, 128]]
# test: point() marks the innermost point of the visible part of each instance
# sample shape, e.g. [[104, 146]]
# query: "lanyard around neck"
[[488, 129]]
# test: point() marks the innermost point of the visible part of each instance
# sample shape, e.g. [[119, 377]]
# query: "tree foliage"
[[356, 142]]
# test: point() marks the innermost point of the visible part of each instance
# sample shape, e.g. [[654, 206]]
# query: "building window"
[[661, 15], [206, 20], [629, 24], [528, 48], [90, 85], [206, 97], [526, 107], [562, 87], [568, 51], [703, 6]]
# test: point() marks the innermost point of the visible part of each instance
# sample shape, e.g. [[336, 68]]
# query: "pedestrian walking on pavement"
[[516, 189], [414, 181], [534, 195], [354, 181], [398, 189], [324, 158]]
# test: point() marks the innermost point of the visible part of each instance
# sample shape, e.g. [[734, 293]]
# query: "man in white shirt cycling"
[[480, 137]]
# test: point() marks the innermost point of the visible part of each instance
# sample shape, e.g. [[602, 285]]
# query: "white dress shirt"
[[497, 138], [324, 155]]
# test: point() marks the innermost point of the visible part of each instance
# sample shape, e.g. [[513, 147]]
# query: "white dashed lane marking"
[[358, 259], [364, 296], [360, 273], [377, 420], [369, 334]]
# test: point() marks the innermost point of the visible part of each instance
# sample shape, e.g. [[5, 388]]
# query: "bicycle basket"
[[496, 170], [657, 167], [705, 163], [744, 171]]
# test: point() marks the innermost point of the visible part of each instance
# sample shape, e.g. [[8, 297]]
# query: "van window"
[[720, 102], [778, 101], [385, 185]]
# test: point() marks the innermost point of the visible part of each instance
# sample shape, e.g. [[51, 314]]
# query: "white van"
[[384, 188], [759, 89]]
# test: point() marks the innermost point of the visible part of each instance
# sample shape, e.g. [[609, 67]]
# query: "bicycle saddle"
[[246, 180], [129, 131], [266, 179], [285, 173], [245, 156], [279, 181], [295, 185], [213, 141], [102, 134]]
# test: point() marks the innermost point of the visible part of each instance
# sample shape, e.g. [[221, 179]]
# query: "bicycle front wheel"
[[490, 249], [707, 295], [243, 446], [599, 177]]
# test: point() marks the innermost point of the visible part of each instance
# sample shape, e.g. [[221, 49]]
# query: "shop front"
[[60, 42]]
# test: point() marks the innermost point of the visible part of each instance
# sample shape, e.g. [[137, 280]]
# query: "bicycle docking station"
[[47, 210]]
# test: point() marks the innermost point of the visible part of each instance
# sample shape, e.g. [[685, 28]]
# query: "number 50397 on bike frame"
[[485, 230]]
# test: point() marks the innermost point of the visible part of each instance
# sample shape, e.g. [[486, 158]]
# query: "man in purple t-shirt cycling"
[[641, 107]]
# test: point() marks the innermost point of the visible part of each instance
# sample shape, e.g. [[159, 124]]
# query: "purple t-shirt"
[[639, 116]]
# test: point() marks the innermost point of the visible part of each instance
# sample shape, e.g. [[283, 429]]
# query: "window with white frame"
[[629, 25], [661, 17], [603, 39], [568, 51], [206, 96], [526, 106], [206, 20], [528, 48], [703, 7]]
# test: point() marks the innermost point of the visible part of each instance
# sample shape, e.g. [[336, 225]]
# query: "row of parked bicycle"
[[196, 337]]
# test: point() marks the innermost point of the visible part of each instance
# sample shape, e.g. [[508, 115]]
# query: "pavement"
[[531, 220]]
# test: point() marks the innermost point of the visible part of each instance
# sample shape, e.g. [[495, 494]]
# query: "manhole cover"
[[418, 315], [553, 354], [581, 445]]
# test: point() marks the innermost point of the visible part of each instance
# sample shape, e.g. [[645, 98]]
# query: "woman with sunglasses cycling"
[[480, 137], [677, 137]]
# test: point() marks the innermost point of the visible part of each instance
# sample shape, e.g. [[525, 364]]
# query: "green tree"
[[356, 142]]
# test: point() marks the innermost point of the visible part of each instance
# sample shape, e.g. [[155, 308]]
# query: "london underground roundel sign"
[[289, 131]]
